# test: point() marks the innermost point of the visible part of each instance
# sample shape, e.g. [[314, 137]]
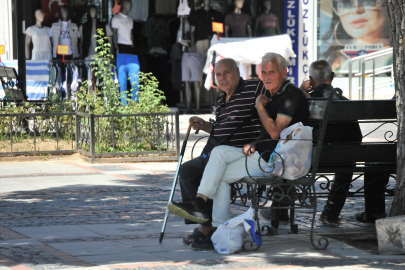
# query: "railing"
[[373, 72], [131, 137]]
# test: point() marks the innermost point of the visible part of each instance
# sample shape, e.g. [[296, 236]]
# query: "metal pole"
[[373, 77], [363, 79], [350, 79], [177, 134], [92, 142], [77, 119], [21, 46]]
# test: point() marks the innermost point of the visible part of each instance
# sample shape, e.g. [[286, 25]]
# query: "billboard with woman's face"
[[350, 28]]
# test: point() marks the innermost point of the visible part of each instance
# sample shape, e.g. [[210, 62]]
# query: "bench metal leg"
[[319, 245]]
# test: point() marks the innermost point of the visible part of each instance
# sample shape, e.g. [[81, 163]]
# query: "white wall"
[[6, 31]]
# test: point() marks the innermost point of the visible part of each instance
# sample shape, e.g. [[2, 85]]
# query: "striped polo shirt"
[[239, 106]]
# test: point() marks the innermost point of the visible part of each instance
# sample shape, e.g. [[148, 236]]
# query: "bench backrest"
[[9, 80], [346, 112]]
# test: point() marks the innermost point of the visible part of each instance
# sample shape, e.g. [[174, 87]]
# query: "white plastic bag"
[[295, 152], [228, 238]]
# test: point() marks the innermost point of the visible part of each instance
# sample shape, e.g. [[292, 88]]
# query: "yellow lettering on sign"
[[217, 27], [63, 50]]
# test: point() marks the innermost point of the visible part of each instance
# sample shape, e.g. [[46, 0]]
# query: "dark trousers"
[[374, 193], [190, 175]]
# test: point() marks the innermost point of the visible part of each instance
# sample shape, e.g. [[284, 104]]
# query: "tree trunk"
[[396, 11]]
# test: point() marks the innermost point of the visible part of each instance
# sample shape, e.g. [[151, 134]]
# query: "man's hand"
[[262, 100], [199, 123], [306, 86], [246, 149]]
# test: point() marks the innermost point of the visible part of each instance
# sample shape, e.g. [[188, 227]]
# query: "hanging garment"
[[75, 83], [183, 9]]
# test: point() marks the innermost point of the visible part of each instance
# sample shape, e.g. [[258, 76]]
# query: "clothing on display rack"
[[176, 55], [156, 32], [141, 10], [165, 6]]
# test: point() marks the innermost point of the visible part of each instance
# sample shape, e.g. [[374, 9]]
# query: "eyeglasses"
[[343, 7]]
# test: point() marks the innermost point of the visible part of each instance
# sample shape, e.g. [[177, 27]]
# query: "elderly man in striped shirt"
[[235, 112], [288, 105]]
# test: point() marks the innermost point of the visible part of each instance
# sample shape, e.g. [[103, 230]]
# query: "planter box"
[[391, 235]]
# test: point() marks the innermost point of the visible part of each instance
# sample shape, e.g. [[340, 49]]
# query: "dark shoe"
[[196, 236], [269, 215], [191, 210], [329, 219], [364, 218], [203, 245]]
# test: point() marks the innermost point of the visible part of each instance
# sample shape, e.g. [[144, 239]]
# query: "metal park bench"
[[11, 87], [358, 158]]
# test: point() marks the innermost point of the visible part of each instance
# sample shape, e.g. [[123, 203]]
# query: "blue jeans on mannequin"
[[128, 66]]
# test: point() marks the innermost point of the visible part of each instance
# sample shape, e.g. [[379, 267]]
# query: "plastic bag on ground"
[[229, 237]]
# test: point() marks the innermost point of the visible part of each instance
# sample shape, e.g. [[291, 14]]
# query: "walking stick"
[[183, 148]]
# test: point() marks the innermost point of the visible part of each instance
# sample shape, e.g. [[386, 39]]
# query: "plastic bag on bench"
[[228, 238], [296, 152]]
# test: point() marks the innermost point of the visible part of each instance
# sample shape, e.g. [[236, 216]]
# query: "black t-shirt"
[[289, 101], [337, 132], [202, 20]]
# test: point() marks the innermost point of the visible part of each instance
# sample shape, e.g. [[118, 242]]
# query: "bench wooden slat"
[[349, 153], [354, 110]]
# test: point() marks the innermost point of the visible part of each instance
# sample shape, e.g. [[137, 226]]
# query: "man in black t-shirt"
[[288, 105], [319, 85]]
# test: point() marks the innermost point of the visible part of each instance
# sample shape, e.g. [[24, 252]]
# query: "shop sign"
[[298, 24], [2, 49], [63, 50]]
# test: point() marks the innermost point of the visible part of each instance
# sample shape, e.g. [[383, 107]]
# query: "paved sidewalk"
[[71, 214]]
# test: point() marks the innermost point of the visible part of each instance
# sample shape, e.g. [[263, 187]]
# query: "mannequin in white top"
[[126, 7], [38, 35]]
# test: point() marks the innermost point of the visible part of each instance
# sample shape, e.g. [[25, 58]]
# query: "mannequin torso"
[[38, 35], [122, 29], [238, 24]]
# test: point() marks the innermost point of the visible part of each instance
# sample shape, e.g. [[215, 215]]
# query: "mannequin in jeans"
[[37, 34], [127, 60]]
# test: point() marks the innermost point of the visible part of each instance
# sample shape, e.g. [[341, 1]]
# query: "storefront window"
[[350, 28]]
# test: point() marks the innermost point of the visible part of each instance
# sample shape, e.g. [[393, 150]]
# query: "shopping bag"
[[229, 237], [295, 148]]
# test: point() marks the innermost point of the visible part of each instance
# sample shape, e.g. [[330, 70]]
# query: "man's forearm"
[[268, 123]]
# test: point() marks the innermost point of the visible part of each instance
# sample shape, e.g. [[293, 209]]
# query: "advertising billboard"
[[350, 28]]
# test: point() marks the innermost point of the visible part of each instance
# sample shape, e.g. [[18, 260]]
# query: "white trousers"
[[226, 166]]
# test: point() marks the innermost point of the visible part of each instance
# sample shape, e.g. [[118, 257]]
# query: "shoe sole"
[[201, 249], [281, 222], [184, 214], [324, 220]]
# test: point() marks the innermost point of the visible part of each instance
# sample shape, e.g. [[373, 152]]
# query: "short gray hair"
[[320, 71], [275, 57]]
